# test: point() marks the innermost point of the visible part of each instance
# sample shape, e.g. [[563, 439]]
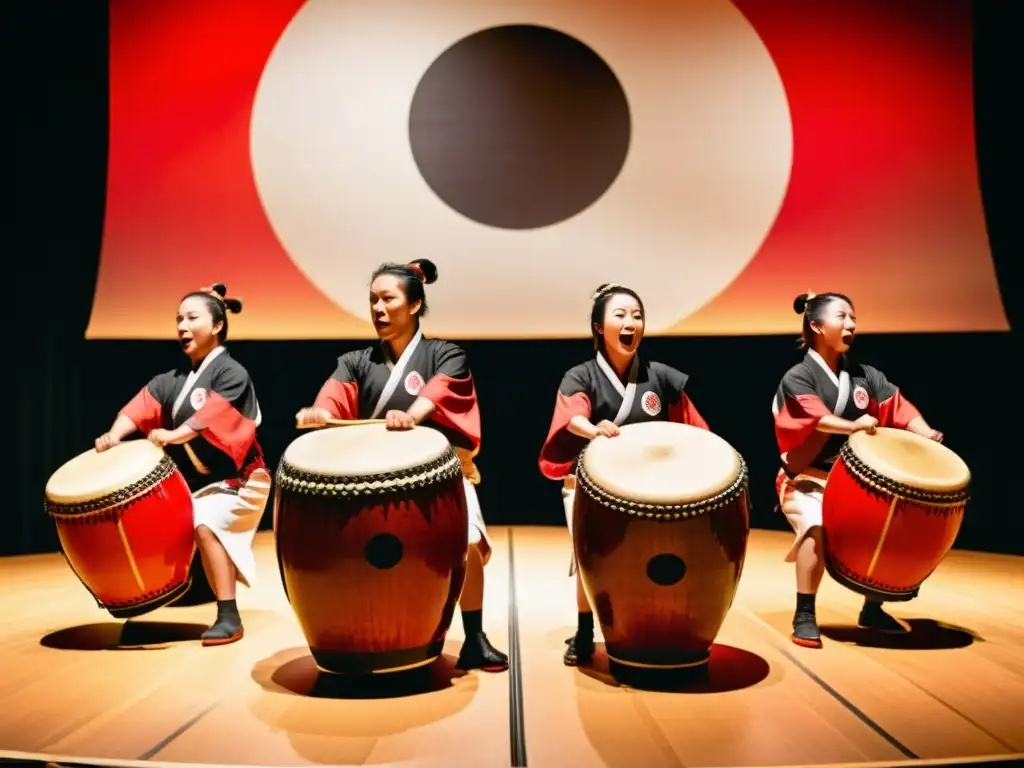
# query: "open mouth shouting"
[[627, 339], [186, 342]]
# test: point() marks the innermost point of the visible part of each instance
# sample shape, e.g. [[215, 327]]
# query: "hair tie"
[[213, 292], [223, 299], [419, 272], [807, 304]]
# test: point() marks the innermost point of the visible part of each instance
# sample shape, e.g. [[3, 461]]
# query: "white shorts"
[[234, 516], [477, 528], [568, 497], [800, 500]]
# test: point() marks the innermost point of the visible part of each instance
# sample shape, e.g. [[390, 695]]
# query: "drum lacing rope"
[[879, 482], [94, 508], [663, 511], [443, 469]]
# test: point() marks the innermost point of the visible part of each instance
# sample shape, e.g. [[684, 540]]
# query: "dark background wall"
[[62, 391]]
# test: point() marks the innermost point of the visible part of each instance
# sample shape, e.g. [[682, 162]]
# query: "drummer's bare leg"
[[477, 651], [810, 567], [872, 616], [581, 645], [220, 572]]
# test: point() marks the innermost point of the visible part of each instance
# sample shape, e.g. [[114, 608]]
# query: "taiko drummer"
[[204, 414], [597, 397], [820, 402], [409, 379]]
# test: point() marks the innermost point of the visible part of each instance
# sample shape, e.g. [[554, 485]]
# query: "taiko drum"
[[891, 510], [372, 533], [124, 520], [661, 520]]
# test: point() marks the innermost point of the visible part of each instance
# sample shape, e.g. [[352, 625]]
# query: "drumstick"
[[339, 423]]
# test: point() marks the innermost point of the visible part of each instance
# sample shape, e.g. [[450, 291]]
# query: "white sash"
[[628, 392], [397, 369], [190, 382], [842, 382]]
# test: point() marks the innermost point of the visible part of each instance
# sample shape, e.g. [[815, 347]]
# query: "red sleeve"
[[895, 412], [455, 405], [561, 447], [145, 411], [797, 420], [685, 412], [227, 419], [340, 398]]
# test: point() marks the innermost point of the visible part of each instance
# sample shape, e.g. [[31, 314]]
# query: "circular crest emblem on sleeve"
[[198, 398], [651, 403], [860, 398], [413, 383]]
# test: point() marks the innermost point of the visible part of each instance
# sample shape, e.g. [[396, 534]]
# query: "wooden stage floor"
[[952, 689]]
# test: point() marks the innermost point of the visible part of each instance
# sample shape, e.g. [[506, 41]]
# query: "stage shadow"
[[123, 636], [338, 721], [924, 635], [729, 669], [301, 677]]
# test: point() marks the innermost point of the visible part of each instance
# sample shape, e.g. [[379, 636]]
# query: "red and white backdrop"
[[719, 157]]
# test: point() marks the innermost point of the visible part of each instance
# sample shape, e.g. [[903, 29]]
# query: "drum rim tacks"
[[443, 469]]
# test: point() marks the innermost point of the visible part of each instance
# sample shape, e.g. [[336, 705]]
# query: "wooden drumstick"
[[339, 423]]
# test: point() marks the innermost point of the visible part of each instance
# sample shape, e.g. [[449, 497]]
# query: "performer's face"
[[623, 325], [196, 330], [838, 326], [390, 311]]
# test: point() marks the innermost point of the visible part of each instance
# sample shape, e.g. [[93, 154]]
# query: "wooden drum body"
[[660, 526], [372, 540], [124, 519], [891, 510]]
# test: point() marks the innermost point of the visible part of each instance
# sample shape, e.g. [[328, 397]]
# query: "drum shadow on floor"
[[924, 635], [337, 721], [123, 636], [294, 671], [729, 669]]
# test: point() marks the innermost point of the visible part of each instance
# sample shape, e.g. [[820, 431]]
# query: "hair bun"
[[800, 303], [233, 305], [602, 289], [427, 267]]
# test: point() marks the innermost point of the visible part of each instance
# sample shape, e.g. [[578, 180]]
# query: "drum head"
[[911, 460], [93, 475], [364, 449], [661, 462]]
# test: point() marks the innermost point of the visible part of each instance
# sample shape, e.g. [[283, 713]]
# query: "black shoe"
[[872, 616], [224, 631], [478, 653], [805, 630], [580, 650]]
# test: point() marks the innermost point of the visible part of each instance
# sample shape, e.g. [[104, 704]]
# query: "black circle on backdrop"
[[519, 126]]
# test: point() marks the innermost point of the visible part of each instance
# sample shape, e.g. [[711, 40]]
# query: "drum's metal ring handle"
[[663, 511], [97, 508], [443, 469], [879, 482]]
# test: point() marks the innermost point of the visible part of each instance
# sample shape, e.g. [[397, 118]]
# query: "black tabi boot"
[[228, 626], [477, 652]]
